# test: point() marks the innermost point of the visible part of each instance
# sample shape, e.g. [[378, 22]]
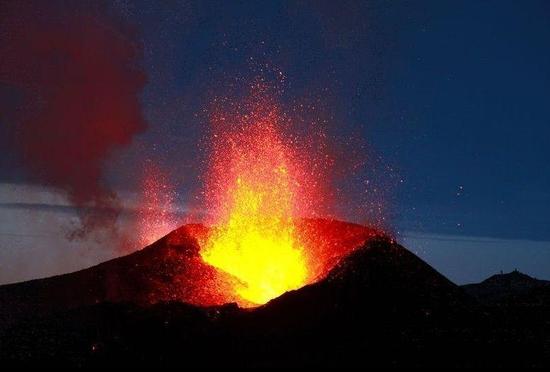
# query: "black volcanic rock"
[[380, 307]]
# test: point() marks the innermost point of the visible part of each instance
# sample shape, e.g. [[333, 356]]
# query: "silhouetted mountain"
[[380, 306], [514, 288], [170, 269]]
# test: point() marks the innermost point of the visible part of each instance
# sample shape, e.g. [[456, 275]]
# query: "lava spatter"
[[256, 183]]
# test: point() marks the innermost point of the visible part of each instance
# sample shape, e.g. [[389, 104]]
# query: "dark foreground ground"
[[381, 306]]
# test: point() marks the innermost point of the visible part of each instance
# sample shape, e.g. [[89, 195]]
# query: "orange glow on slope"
[[255, 182]]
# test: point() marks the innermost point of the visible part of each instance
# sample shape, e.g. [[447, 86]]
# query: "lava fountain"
[[255, 182], [268, 228]]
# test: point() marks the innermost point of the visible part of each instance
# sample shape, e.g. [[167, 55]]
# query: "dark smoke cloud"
[[71, 70]]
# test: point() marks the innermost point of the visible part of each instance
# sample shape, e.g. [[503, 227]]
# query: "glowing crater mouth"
[[266, 261], [260, 179]]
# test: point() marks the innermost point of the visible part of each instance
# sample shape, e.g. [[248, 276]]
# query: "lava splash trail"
[[255, 182]]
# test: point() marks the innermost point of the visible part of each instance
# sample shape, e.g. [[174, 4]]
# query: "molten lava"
[[255, 237], [264, 189]]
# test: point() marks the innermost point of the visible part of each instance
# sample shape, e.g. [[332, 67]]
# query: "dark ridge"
[[514, 287]]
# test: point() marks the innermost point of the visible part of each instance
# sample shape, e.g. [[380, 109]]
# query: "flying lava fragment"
[[255, 184]]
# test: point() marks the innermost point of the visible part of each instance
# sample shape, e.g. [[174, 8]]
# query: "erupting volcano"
[[257, 186], [237, 216]]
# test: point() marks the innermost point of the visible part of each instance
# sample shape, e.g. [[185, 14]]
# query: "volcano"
[[171, 269], [379, 305]]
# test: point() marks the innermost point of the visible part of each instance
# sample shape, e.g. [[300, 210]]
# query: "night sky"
[[450, 98], [452, 95]]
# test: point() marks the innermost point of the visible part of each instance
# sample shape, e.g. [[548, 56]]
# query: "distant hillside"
[[512, 288]]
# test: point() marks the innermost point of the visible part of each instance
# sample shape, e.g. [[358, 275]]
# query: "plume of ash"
[[75, 69]]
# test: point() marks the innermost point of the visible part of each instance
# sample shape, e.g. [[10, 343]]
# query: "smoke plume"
[[75, 68]]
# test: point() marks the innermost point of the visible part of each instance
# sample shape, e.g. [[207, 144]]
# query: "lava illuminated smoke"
[[257, 185]]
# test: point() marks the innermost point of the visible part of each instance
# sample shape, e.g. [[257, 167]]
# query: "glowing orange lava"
[[255, 238], [265, 210], [264, 191]]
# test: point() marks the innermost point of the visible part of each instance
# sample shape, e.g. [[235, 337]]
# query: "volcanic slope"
[[379, 306], [170, 269]]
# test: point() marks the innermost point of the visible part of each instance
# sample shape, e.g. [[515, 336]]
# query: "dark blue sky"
[[454, 95]]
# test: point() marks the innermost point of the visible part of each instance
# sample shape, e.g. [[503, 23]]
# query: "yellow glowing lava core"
[[256, 241]]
